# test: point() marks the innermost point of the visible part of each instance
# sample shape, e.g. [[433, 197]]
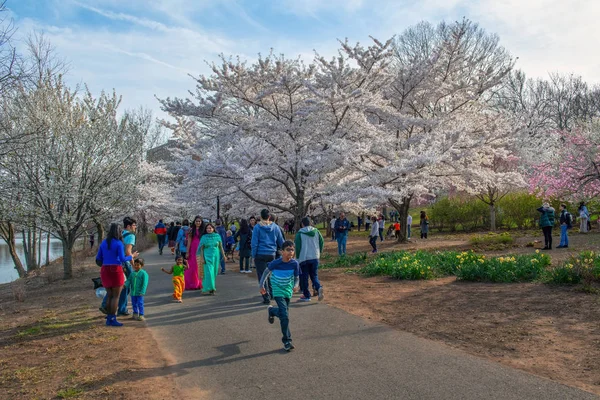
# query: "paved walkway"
[[222, 347]]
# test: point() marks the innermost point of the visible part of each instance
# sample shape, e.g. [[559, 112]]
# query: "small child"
[[284, 273], [137, 284], [177, 271], [229, 241]]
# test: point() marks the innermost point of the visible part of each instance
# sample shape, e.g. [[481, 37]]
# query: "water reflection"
[[7, 268]]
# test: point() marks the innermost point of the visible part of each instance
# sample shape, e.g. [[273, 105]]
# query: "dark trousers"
[[245, 260], [161, 242], [122, 309], [547, 236], [381, 234], [261, 262], [310, 270], [137, 303], [281, 312], [222, 264], [423, 235], [373, 242]]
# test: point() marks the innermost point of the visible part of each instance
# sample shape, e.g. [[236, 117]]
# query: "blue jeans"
[[310, 269], [122, 309], [137, 303], [408, 228], [381, 234], [222, 264], [564, 235], [281, 312], [341, 240]]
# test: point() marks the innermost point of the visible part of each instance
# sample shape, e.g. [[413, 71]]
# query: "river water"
[[7, 267]]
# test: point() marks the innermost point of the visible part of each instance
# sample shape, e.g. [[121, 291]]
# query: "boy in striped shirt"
[[284, 274]]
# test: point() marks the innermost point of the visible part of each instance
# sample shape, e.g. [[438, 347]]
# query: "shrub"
[[466, 266], [585, 267], [418, 265], [468, 213], [522, 268]]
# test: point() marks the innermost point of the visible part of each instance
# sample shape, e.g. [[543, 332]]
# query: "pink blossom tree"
[[574, 170]]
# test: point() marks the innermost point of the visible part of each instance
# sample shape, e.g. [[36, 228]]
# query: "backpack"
[[569, 219]]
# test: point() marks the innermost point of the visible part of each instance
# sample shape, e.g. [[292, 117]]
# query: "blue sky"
[[143, 48]]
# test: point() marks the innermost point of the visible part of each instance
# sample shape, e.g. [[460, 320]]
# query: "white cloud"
[[164, 42]]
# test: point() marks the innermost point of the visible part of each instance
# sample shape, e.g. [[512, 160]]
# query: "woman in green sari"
[[211, 248]]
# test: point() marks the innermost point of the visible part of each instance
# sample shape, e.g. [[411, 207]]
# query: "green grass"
[[36, 330], [346, 261], [491, 238]]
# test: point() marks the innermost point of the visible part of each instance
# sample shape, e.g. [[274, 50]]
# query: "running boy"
[[284, 274], [137, 284], [177, 271]]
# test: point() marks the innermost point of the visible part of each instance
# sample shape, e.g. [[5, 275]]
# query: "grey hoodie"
[[309, 244]]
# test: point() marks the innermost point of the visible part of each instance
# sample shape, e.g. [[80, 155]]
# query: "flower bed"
[[467, 266]]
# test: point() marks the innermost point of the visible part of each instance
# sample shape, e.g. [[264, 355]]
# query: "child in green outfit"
[[177, 271], [137, 284]]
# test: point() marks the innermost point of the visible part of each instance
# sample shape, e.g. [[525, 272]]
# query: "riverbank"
[[53, 342]]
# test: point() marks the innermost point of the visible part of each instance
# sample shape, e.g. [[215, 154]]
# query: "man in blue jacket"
[[342, 226], [266, 238]]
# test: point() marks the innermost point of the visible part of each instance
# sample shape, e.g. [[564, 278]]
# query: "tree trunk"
[[25, 248], [47, 250], [300, 211], [33, 245], [402, 208], [68, 245], [7, 231], [100, 229], [492, 217], [39, 250]]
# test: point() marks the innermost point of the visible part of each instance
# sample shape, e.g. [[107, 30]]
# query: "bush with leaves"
[[582, 268]]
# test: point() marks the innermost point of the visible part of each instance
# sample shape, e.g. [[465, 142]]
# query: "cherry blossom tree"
[[574, 170], [434, 131], [278, 130]]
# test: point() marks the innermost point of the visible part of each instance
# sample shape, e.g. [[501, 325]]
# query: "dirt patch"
[[550, 331], [54, 343]]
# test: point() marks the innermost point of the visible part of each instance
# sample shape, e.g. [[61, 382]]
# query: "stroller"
[[230, 249]]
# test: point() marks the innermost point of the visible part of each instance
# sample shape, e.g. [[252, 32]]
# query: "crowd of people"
[[199, 249], [282, 266]]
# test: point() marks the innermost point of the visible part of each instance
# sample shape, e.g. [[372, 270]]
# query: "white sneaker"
[[242, 272]]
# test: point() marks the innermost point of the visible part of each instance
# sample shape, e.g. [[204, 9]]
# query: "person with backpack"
[[566, 223], [181, 243], [244, 237], [547, 223]]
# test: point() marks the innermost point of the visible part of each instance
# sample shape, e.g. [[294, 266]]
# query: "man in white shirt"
[[408, 224], [332, 225]]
